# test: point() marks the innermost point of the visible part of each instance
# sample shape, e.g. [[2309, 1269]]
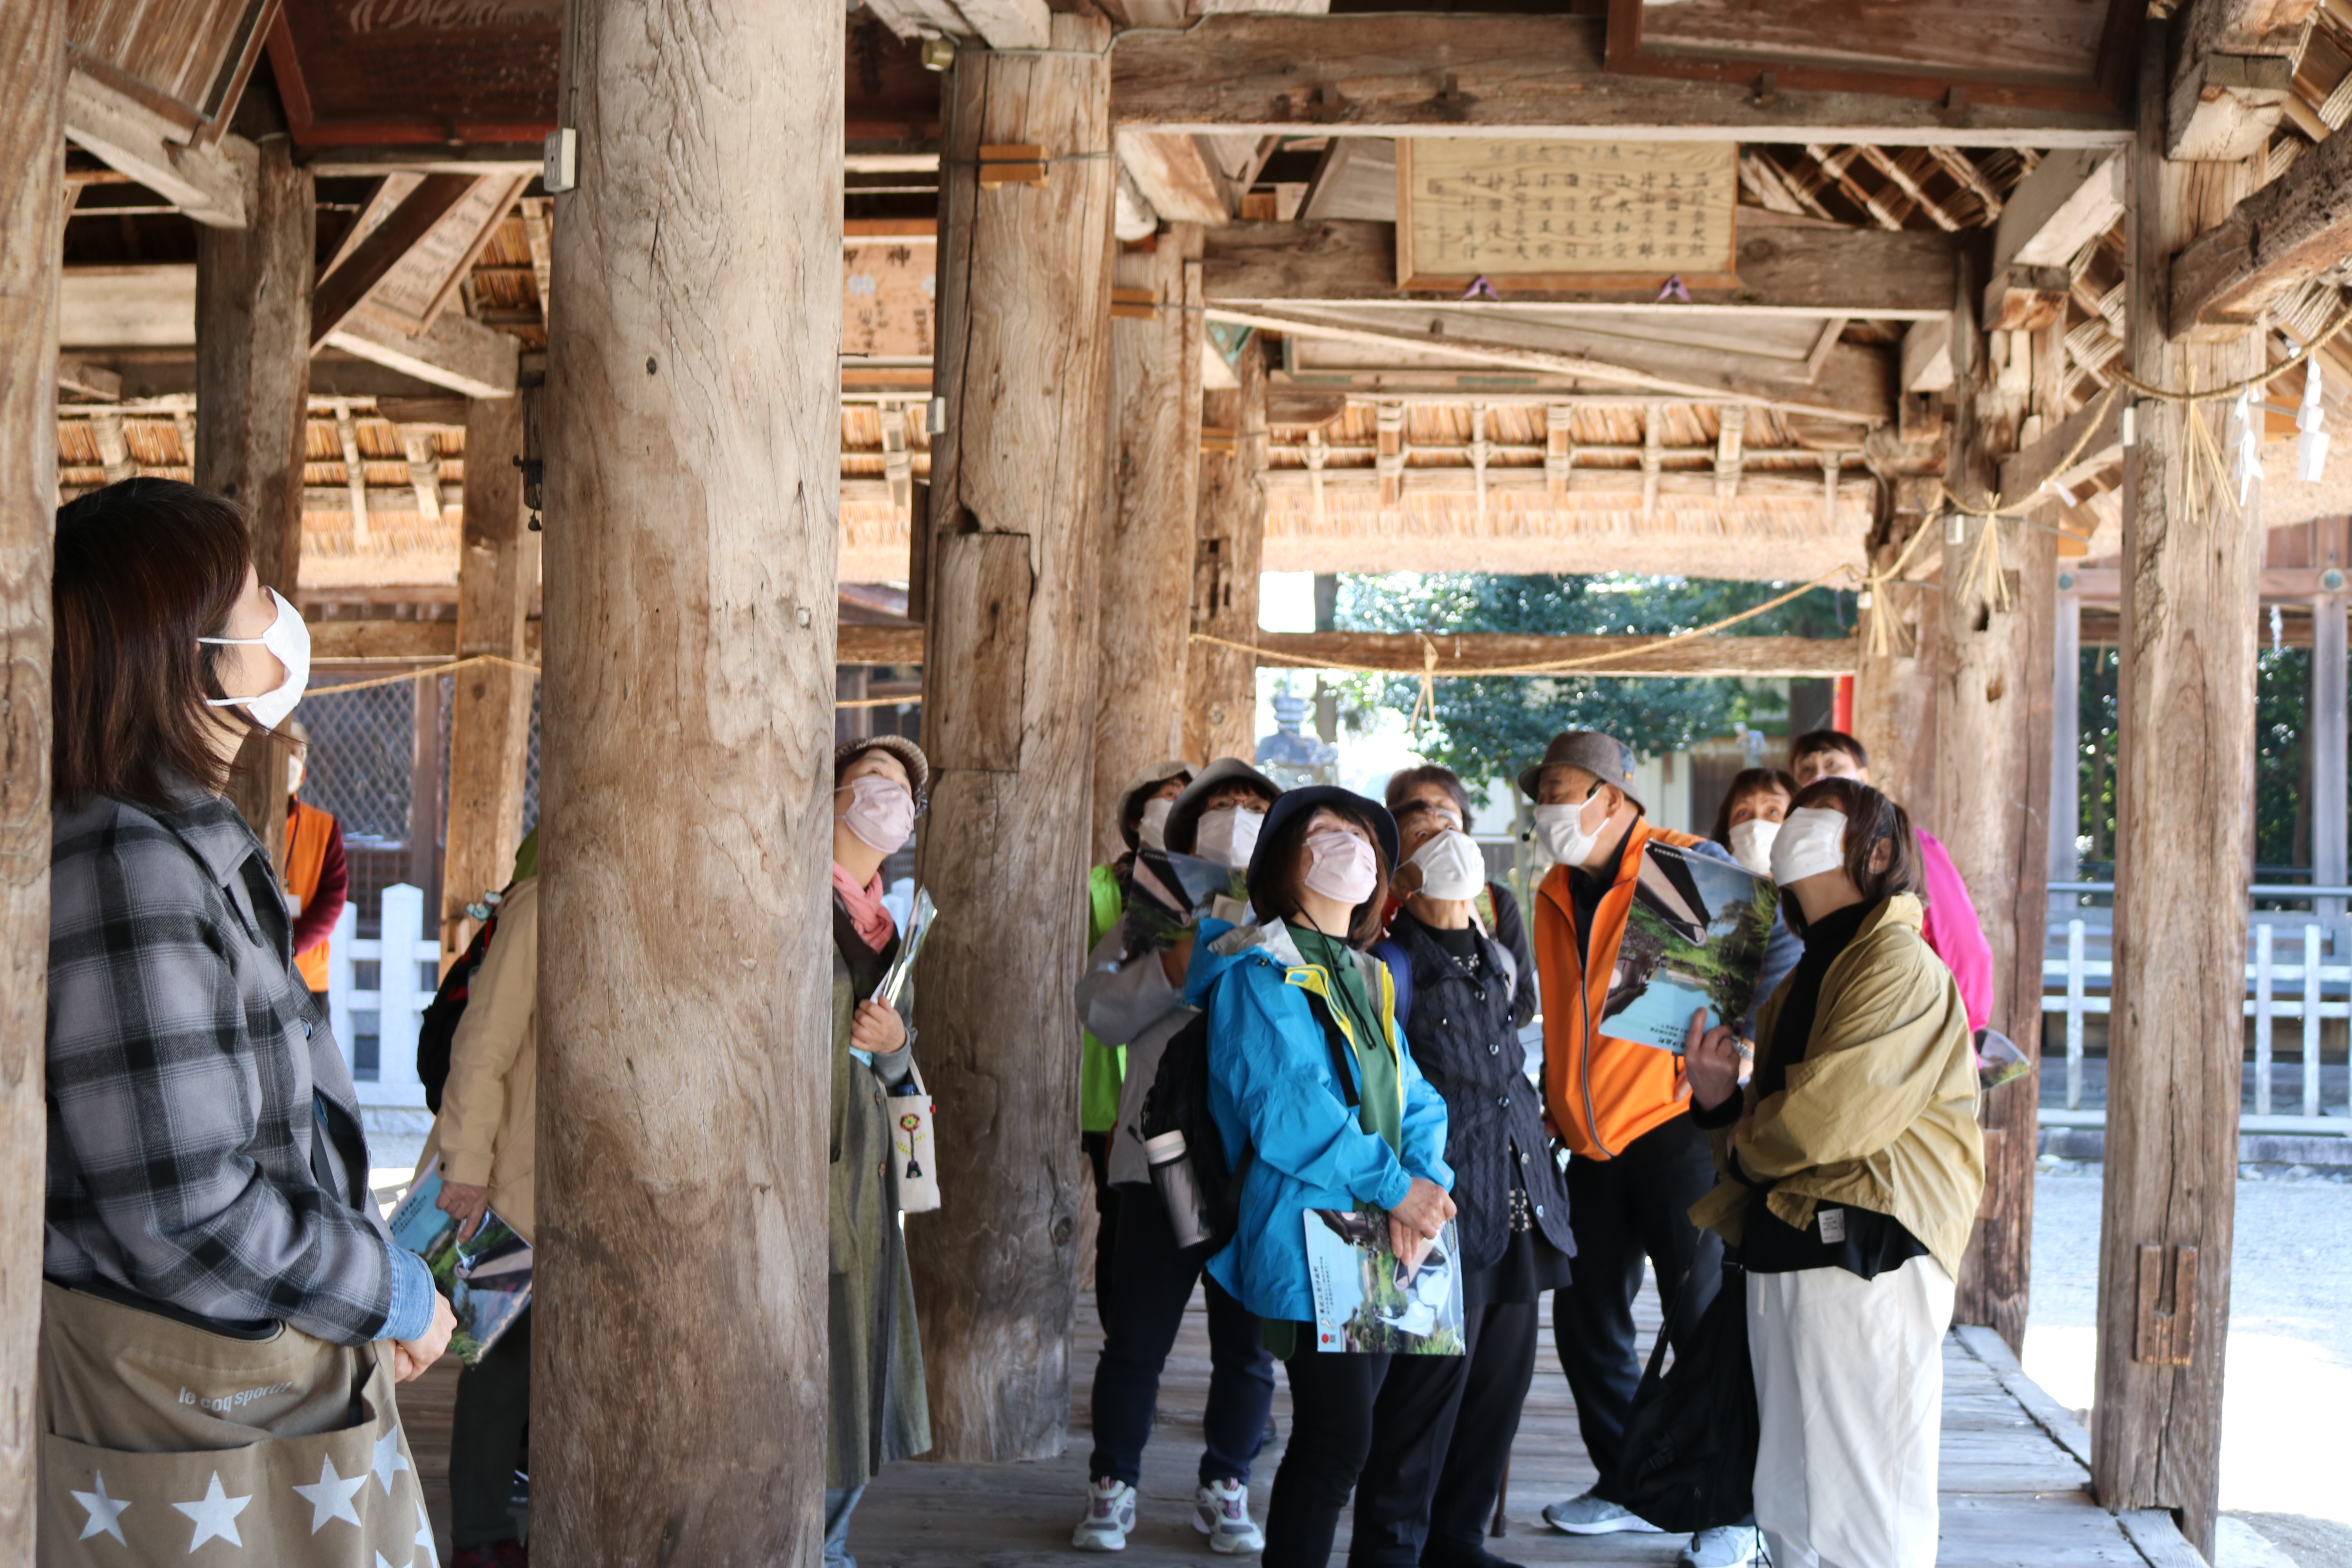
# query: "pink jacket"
[[1952, 929]]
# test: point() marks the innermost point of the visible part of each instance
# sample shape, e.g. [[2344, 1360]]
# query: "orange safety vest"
[[307, 830], [1601, 1098]]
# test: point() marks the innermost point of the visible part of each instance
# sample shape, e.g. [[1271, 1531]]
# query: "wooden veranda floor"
[[2013, 1476]]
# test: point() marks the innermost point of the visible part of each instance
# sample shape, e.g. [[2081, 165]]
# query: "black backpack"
[[437, 1027], [1688, 1459], [1178, 1102]]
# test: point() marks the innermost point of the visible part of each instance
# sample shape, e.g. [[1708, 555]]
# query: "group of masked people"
[[1364, 986]]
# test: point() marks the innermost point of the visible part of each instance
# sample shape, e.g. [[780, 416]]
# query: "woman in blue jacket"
[[1308, 1072]]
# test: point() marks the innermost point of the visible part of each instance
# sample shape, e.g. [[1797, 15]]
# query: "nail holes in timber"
[[650, 365], [1062, 1229]]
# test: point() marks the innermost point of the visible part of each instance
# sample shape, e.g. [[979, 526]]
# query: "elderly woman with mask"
[[1307, 1068], [1138, 999], [1746, 824], [877, 1410], [1851, 1168], [1464, 995]]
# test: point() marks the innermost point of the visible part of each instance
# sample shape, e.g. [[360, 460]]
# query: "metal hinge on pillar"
[[2166, 1338]]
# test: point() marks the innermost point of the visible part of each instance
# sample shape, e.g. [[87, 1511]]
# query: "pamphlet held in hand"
[[485, 1277], [1695, 939], [1367, 1301]]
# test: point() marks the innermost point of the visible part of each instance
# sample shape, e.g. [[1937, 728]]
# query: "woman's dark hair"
[[1871, 819], [1274, 879], [1410, 779], [1813, 742], [145, 567], [1745, 782]]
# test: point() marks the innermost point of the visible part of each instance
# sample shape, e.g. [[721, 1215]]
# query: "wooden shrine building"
[[625, 338]]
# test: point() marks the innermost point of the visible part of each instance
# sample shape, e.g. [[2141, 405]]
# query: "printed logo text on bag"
[[236, 1401]]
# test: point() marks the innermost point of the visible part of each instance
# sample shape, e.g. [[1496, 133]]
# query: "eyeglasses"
[[1412, 808]]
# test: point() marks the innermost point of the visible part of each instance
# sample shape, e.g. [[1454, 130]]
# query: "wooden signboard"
[[1565, 215], [889, 301]]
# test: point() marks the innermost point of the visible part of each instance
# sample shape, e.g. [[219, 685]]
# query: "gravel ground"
[[2283, 1450]]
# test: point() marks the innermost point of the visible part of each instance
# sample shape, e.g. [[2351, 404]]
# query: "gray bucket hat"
[[1605, 757], [1130, 807], [910, 757], [1185, 816]]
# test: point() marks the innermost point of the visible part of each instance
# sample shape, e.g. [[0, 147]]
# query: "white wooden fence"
[[407, 957], [2297, 990]]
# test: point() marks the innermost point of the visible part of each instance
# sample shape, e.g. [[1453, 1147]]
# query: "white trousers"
[[1850, 1386]]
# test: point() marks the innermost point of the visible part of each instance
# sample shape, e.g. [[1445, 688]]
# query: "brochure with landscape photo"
[[1367, 1301], [486, 1277], [1167, 893], [1695, 939]]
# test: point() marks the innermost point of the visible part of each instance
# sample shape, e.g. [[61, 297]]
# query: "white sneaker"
[[1725, 1546], [1220, 1512], [1586, 1514], [1110, 1515]]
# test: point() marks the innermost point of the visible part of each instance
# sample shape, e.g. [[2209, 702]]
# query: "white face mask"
[[1751, 843], [1341, 867], [289, 639], [1811, 842], [1227, 835], [1152, 832], [1451, 866], [1564, 835]]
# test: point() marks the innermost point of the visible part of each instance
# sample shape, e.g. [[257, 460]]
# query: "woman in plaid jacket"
[[218, 1287]]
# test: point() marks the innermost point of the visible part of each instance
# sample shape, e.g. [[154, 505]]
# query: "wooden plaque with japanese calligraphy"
[[889, 302], [1565, 215]]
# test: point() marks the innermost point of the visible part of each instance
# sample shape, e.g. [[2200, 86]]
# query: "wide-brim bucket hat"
[[1185, 816], [1306, 799], [1131, 807], [1605, 757], [910, 757]]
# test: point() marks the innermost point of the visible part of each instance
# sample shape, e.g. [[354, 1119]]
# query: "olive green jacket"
[[1881, 1114], [877, 1409]]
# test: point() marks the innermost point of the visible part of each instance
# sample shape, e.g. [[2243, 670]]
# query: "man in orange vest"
[[1637, 1161], [317, 881]]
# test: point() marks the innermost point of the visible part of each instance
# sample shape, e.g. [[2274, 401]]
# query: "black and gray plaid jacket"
[[204, 1142]]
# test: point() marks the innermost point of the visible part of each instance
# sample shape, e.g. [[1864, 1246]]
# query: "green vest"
[[1101, 1068]]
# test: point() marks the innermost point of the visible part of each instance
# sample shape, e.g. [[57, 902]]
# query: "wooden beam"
[[208, 183], [336, 641], [253, 385], [459, 352], [691, 445], [1463, 653], [999, 24], [1388, 74], [2235, 76], [2184, 785], [92, 381], [340, 292], [489, 719], [2070, 198], [1020, 489], [1175, 174], [32, 223], [2022, 474], [2294, 229], [1146, 587], [1865, 273], [1228, 552]]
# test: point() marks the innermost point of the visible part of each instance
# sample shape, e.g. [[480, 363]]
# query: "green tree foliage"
[[1494, 726]]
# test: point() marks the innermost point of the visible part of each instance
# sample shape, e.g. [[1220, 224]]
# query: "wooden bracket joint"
[[1451, 100], [1954, 110], [1019, 163], [1325, 105], [1134, 305], [2166, 1338], [1766, 93]]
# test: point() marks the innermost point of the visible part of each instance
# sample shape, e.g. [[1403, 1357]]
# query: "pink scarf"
[[875, 927]]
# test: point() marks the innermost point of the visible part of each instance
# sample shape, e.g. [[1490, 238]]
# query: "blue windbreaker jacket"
[[1271, 1089]]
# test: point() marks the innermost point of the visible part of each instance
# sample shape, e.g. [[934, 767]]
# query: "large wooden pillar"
[[1147, 554], [490, 721], [1020, 488], [1221, 712], [253, 394], [1993, 708], [692, 441], [2184, 797], [1895, 692], [32, 152], [2065, 742]]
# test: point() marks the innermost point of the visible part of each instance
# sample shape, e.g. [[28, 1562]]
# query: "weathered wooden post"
[[1221, 714], [490, 721], [1147, 555], [2184, 786], [253, 399], [1020, 488], [692, 442], [32, 152], [1895, 692], [1993, 708]]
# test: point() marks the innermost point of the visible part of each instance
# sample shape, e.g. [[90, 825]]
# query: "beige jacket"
[[1881, 1113], [486, 1132]]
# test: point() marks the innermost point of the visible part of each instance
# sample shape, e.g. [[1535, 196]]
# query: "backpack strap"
[[1391, 952], [1336, 1043]]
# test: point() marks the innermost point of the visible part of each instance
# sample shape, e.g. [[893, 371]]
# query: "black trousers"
[[1501, 1344], [1149, 1284], [1623, 1210], [487, 1438], [1374, 1424], [1096, 1146]]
